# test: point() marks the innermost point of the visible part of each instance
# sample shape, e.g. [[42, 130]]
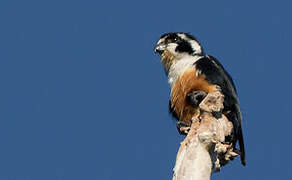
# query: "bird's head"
[[174, 46]]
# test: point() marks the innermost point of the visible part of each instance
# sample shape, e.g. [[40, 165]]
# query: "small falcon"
[[192, 75]]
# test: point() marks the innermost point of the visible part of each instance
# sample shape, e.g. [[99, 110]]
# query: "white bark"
[[202, 151]]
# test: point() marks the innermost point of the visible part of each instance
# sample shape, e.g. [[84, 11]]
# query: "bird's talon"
[[196, 97], [185, 129], [182, 127]]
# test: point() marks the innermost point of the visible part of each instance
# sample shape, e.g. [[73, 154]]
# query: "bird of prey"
[[192, 75]]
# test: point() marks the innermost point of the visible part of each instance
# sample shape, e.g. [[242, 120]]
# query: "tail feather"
[[241, 146], [237, 118]]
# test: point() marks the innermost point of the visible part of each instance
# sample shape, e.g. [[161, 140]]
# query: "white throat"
[[180, 66]]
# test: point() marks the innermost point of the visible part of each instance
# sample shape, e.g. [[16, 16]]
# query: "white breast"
[[180, 66]]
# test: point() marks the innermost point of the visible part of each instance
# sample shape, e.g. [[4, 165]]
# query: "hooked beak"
[[159, 48]]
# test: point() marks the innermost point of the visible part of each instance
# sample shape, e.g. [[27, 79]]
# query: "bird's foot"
[[196, 97], [182, 127]]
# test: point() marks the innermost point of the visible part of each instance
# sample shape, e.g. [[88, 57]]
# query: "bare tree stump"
[[204, 150]]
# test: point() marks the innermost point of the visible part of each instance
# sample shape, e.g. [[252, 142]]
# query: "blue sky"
[[83, 96]]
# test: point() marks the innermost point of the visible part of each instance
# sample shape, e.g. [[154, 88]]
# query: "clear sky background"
[[83, 96]]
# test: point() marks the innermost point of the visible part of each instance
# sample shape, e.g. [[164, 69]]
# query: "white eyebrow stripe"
[[183, 36]]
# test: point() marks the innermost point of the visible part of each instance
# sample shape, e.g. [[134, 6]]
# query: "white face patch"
[[171, 48]]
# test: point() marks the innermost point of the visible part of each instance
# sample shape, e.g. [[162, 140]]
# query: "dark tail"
[[238, 133], [241, 145]]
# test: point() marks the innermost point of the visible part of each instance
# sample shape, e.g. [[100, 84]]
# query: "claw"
[[182, 127], [196, 97]]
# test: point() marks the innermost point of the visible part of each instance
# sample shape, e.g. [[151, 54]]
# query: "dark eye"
[[172, 38]]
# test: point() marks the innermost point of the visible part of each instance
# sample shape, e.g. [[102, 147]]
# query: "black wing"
[[216, 74]]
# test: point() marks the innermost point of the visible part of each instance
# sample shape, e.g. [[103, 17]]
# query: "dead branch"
[[204, 150]]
